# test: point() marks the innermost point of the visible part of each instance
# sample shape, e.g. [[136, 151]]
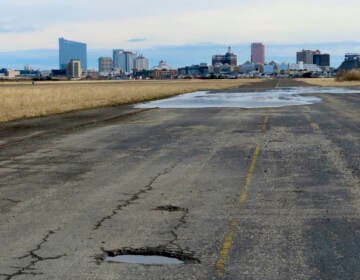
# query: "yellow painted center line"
[[226, 246], [224, 253], [266, 120], [314, 126], [249, 173]]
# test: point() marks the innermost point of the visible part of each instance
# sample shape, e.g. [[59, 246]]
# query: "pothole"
[[149, 256]]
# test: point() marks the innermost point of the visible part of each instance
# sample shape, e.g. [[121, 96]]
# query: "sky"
[[144, 25]]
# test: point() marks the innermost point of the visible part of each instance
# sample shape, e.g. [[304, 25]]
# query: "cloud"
[[136, 40], [110, 24], [16, 29]]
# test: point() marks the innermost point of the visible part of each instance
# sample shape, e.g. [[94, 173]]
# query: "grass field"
[[22, 100], [323, 82]]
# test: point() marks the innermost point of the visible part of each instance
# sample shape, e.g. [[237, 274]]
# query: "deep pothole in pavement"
[[161, 255], [149, 256]]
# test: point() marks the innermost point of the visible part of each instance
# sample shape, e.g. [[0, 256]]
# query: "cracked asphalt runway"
[[244, 193]]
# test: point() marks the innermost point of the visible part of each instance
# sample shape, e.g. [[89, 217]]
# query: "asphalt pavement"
[[232, 193]]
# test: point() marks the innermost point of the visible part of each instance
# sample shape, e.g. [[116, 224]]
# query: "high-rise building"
[[229, 58], [118, 58], [141, 63], [306, 56], [105, 64], [124, 60], [258, 53], [73, 70], [322, 60], [69, 50]]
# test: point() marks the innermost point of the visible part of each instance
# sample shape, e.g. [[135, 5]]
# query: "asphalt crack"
[[182, 221], [133, 198], [29, 269], [12, 200]]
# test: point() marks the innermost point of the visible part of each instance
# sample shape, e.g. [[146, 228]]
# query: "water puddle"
[[148, 256], [280, 97], [145, 260]]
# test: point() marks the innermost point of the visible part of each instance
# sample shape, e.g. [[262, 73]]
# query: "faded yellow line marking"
[[249, 173], [266, 120], [314, 126], [224, 253]]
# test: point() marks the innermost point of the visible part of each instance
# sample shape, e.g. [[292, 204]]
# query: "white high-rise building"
[[141, 63], [123, 60]]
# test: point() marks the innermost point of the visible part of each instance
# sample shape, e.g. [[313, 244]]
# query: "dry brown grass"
[[22, 100], [352, 75], [324, 82]]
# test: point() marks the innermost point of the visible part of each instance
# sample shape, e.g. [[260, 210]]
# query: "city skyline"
[[177, 56], [142, 23]]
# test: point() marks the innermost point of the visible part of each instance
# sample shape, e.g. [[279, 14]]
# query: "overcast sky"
[[35, 24]]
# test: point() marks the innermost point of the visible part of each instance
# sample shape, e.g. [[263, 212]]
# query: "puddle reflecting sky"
[[271, 98], [146, 260]]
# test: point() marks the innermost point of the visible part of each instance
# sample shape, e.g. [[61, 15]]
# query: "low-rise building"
[[199, 71], [58, 73], [247, 67], [304, 67], [283, 68], [269, 69], [9, 73], [164, 74]]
